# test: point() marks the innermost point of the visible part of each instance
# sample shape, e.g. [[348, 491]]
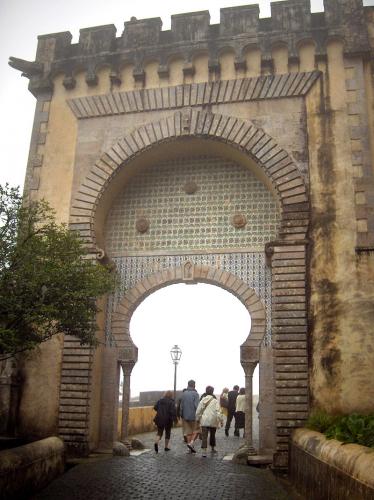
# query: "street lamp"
[[175, 354]]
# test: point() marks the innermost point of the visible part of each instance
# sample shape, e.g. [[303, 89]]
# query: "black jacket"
[[166, 414], [232, 395]]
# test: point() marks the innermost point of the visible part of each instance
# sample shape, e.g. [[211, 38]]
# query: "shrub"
[[320, 421], [352, 428]]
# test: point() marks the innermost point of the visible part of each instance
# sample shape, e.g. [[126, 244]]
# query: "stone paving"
[[168, 475]]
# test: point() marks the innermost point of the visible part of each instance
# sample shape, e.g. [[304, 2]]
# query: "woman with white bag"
[[208, 413]]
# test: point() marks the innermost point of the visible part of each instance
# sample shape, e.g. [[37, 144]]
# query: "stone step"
[[259, 460]]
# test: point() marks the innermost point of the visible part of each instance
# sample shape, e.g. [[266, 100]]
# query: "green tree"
[[46, 284]]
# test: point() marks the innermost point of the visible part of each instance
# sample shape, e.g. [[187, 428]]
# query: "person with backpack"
[[165, 416], [224, 401], [209, 415]]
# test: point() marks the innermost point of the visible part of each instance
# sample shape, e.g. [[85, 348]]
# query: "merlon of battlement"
[[291, 24], [289, 19]]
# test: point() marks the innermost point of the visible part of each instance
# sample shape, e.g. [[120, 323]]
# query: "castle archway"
[[187, 273], [280, 258]]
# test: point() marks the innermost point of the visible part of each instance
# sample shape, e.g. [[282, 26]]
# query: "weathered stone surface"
[[136, 444], [347, 468], [27, 469], [120, 450]]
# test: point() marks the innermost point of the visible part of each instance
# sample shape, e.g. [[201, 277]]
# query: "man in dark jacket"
[[232, 395]]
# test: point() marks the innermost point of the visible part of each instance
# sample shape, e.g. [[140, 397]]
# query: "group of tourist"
[[201, 416], [233, 406]]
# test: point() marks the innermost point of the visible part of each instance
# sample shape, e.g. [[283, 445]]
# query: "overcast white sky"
[[208, 323]]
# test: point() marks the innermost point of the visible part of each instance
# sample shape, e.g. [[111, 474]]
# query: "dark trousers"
[[230, 415], [167, 428], [212, 436]]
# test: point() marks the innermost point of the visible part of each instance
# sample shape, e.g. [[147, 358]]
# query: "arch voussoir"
[[230, 123], [238, 125], [225, 277], [296, 199], [120, 153], [132, 144], [254, 140], [150, 132], [289, 181], [239, 286], [144, 136], [218, 276], [109, 157]]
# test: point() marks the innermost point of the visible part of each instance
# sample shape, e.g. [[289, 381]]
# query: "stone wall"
[[140, 420], [29, 468], [341, 309], [322, 468]]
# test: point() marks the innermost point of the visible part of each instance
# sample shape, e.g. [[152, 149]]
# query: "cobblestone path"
[[167, 475]]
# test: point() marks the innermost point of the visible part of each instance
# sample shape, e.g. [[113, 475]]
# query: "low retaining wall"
[[324, 469], [140, 420], [29, 468]]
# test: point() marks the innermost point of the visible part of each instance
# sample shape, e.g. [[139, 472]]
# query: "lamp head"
[[176, 354]]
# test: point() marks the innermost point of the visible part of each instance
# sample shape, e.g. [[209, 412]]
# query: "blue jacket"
[[189, 403]]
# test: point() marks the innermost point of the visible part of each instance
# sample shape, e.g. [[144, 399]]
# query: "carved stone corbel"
[[28, 68], [91, 78]]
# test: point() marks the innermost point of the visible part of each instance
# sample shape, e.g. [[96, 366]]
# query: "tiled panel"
[[202, 220]]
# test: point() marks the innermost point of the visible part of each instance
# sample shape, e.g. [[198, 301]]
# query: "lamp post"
[[175, 354]]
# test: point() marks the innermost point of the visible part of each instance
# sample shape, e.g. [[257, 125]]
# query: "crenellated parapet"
[[240, 30]]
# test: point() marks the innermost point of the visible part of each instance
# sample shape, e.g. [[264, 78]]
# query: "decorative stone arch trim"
[[195, 94], [188, 273], [275, 162]]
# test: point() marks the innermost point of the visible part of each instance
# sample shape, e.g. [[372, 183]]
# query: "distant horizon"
[[136, 398]]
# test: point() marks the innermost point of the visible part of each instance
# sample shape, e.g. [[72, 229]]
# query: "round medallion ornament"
[[190, 187], [239, 221], [142, 225]]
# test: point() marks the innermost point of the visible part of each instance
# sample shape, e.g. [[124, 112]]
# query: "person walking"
[[240, 412], [224, 400], [209, 415], [189, 404], [165, 416], [180, 416], [231, 407]]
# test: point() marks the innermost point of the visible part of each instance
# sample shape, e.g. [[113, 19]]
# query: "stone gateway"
[[238, 154]]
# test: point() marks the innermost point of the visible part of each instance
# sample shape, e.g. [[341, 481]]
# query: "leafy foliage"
[[352, 428], [46, 285], [320, 421]]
